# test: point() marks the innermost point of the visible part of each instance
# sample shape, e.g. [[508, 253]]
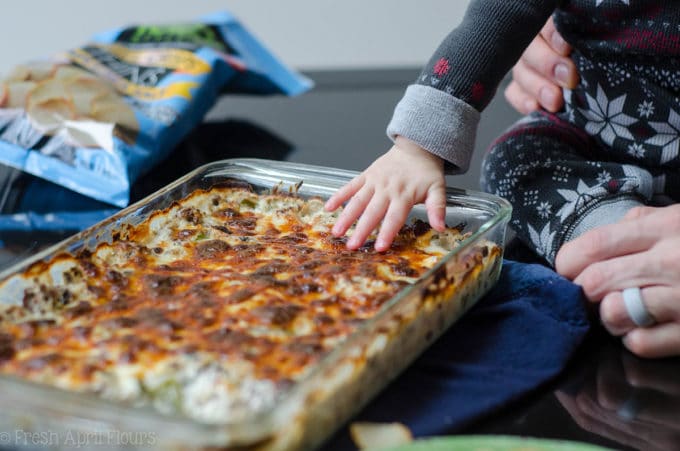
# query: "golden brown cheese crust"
[[224, 275]]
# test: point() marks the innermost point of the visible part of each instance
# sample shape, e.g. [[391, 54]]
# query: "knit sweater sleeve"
[[440, 112]]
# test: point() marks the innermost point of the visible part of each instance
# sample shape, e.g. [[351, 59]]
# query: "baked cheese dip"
[[211, 308]]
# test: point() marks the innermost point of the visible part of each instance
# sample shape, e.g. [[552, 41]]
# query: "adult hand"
[[541, 73], [385, 192], [642, 250], [632, 401]]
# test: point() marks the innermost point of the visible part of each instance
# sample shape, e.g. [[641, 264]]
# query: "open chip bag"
[[94, 119]]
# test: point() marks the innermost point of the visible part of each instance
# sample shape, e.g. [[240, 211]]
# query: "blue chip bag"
[[95, 118], [29, 204]]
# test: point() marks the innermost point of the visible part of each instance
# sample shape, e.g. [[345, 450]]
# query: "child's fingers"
[[394, 219], [352, 211], [435, 204], [344, 193], [369, 220]]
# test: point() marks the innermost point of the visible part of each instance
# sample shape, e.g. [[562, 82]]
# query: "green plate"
[[493, 443]]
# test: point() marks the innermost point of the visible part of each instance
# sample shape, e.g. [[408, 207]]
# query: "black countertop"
[[605, 396]]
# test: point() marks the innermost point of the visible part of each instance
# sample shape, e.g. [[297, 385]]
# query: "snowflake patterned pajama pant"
[[561, 182]]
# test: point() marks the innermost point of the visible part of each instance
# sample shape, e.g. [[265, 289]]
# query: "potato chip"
[[113, 109], [18, 73], [68, 72], [49, 116], [379, 435], [46, 90], [83, 92], [41, 70], [17, 93], [33, 71]]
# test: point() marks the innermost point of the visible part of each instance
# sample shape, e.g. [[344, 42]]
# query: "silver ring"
[[635, 306]]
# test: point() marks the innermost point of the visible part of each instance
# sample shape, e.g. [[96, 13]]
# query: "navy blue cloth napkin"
[[519, 336]]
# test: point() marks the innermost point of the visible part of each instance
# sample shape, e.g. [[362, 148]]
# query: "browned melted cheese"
[[251, 286]]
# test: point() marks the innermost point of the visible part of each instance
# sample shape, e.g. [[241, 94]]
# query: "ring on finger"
[[635, 306]]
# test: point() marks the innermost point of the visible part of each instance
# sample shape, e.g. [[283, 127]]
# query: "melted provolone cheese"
[[208, 308]]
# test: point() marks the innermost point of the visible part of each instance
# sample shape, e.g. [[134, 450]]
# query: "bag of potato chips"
[[95, 118]]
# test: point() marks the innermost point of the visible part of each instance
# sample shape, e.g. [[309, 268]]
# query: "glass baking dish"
[[312, 408]]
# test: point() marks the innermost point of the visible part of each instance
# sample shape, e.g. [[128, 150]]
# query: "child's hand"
[[406, 175]]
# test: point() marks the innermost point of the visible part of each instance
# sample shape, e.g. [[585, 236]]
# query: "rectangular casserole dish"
[[340, 383]]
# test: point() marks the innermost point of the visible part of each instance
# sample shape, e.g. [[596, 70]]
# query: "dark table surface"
[[605, 396]]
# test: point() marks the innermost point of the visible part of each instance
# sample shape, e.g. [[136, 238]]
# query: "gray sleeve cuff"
[[439, 123]]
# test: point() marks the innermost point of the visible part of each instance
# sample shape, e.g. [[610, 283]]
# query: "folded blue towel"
[[518, 337]]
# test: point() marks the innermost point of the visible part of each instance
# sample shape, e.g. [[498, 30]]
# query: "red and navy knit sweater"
[[627, 53]]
